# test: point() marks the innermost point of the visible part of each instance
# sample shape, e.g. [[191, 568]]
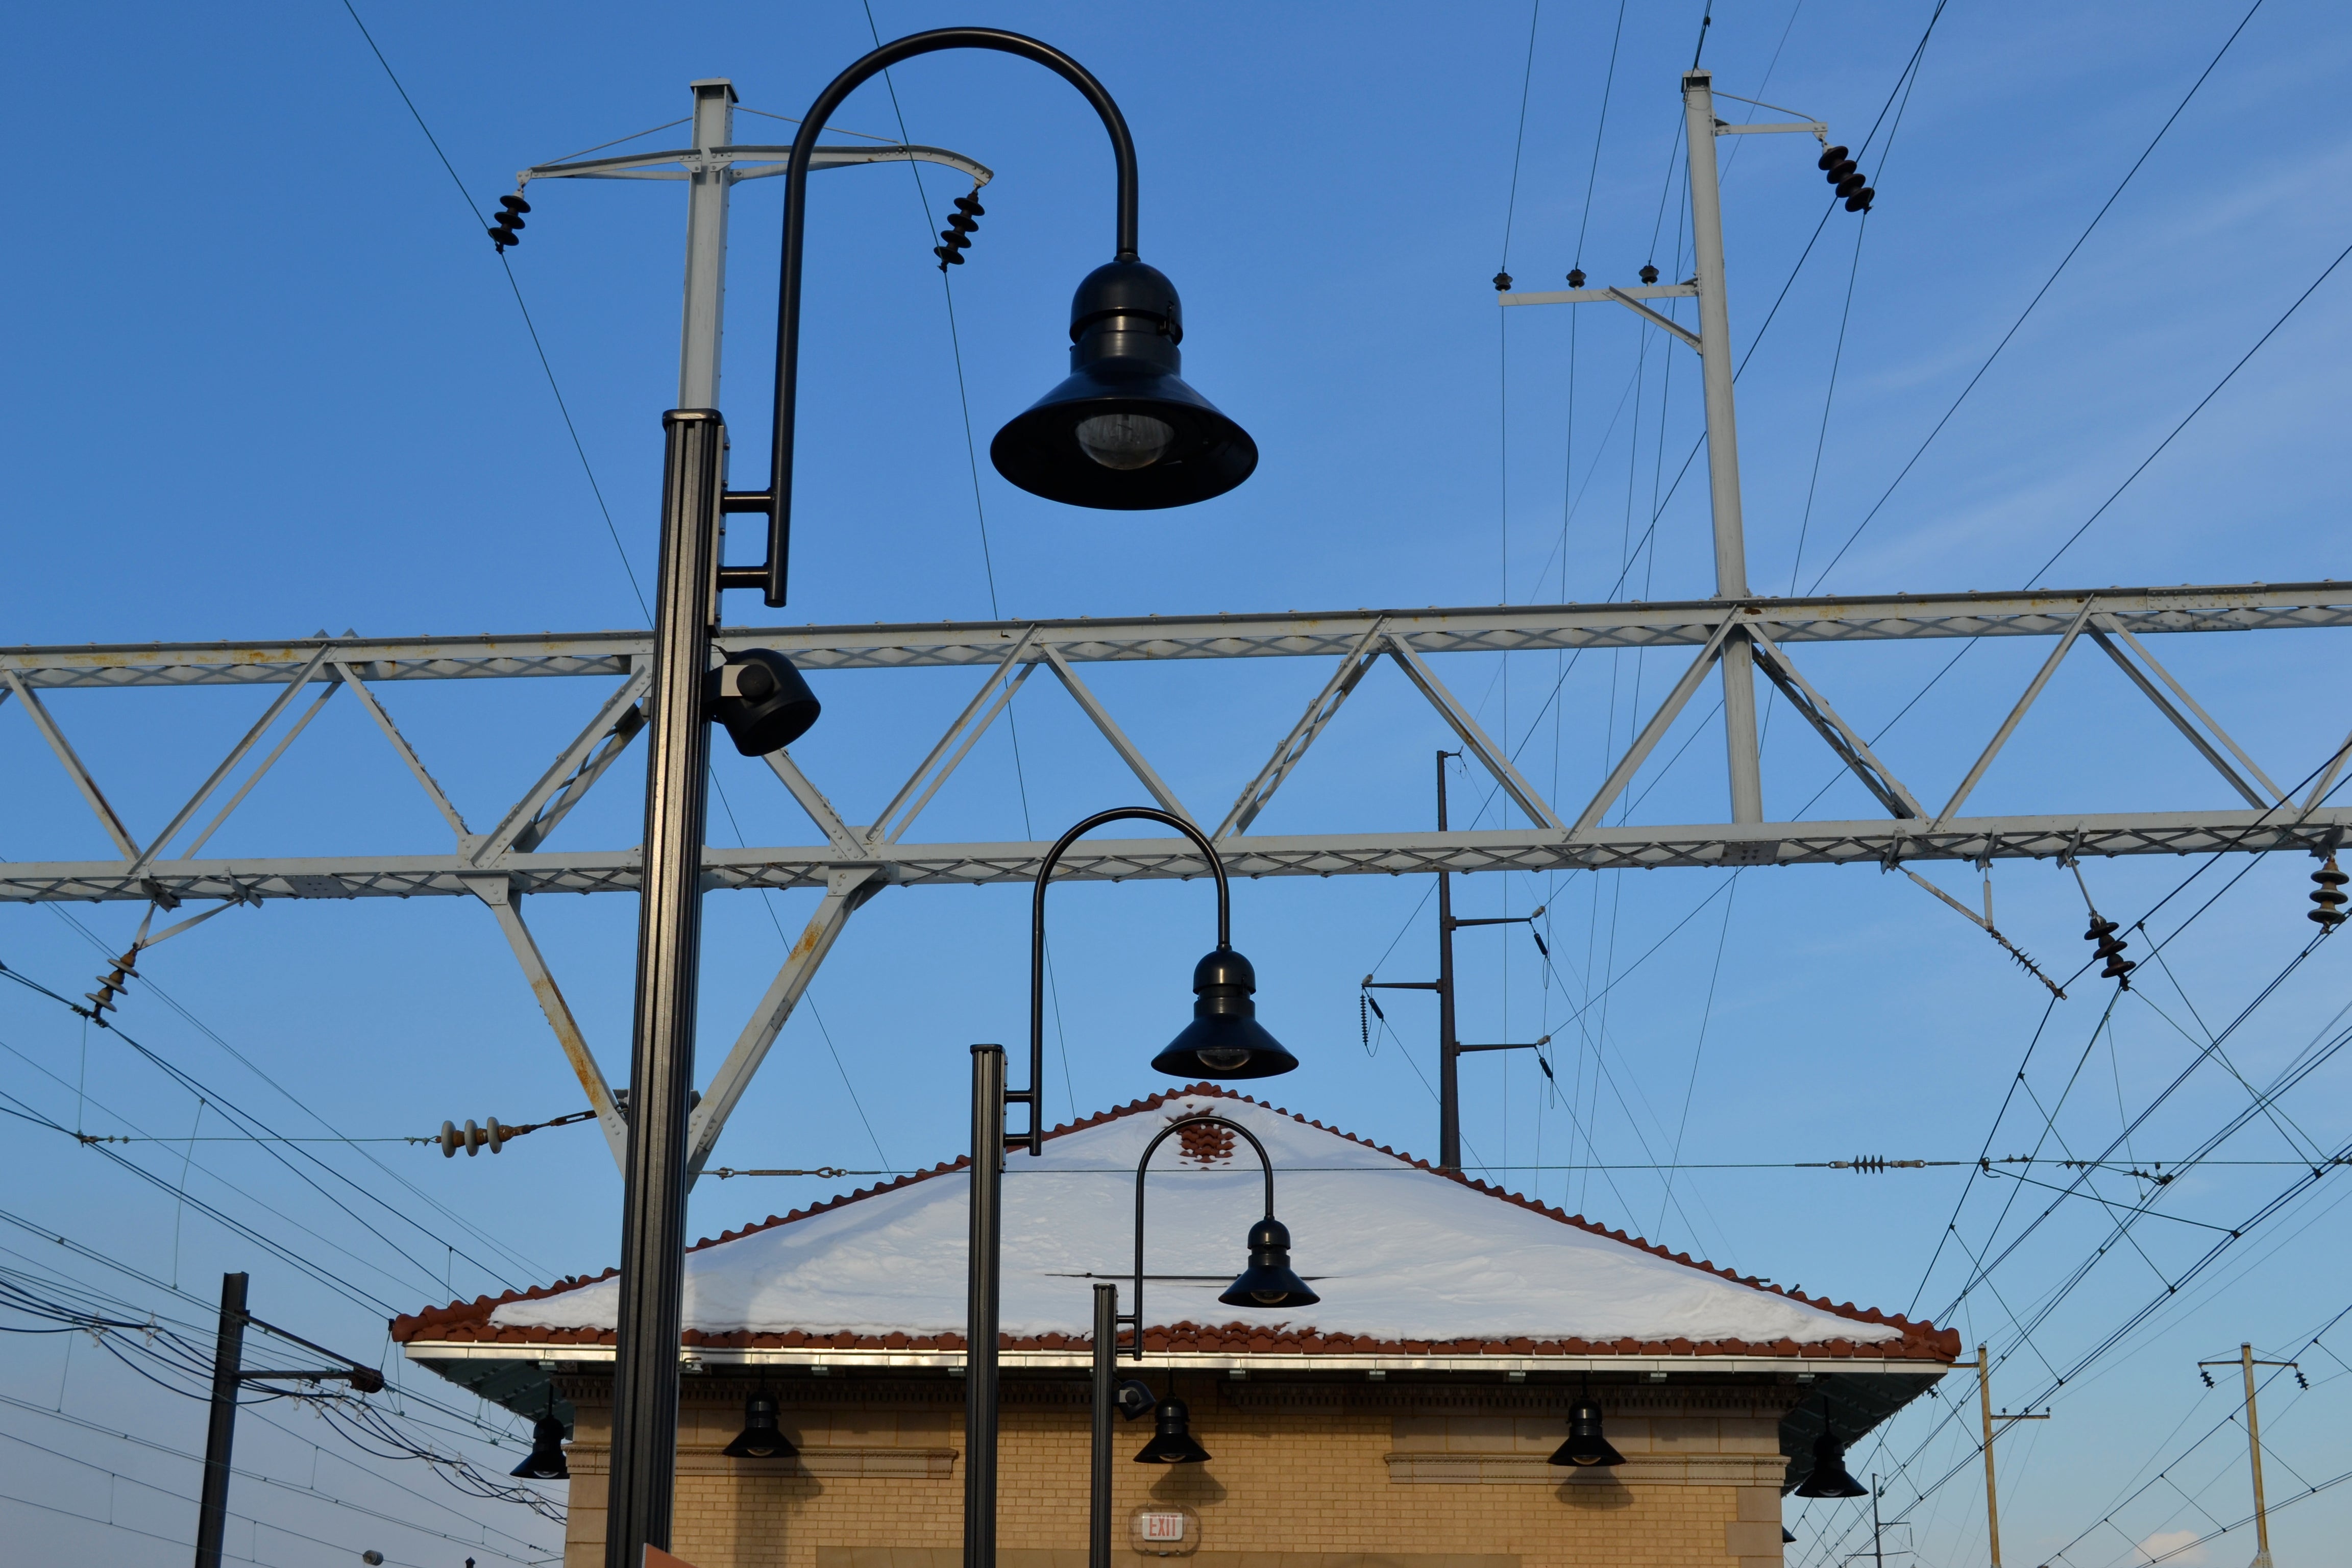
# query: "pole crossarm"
[[1516, 628], [748, 162], [1877, 842]]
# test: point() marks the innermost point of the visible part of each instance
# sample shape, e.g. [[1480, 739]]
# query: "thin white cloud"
[[2159, 1547]]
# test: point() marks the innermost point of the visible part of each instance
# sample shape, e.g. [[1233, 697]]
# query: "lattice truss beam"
[[851, 862]]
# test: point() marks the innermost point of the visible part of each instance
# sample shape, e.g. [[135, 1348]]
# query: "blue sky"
[[267, 376]]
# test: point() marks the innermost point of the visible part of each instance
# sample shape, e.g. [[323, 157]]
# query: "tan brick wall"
[[1323, 1478]]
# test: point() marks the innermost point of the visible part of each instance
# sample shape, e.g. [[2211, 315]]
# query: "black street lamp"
[[1224, 1040], [1123, 432], [1266, 1281]]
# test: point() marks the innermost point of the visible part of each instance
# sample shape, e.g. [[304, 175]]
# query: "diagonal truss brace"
[[1474, 739], [972, 724], [1319, 712], [1127, 751], [497, 893], [836, 832], [569, 777], [1653, 732], [2104, 630], [845, 891], [2009, 725], [407, 752], [65, 754], [1843, 738], [235, 754]]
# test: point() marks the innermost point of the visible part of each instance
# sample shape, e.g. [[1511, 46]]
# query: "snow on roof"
[[1400, 1254]]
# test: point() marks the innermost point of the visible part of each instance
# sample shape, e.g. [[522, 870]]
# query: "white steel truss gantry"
[[850, 861]]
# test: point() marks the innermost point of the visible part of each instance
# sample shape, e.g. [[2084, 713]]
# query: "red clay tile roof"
[[469, 1322]]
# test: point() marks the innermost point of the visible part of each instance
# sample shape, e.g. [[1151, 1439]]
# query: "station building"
[[1409, 1419]]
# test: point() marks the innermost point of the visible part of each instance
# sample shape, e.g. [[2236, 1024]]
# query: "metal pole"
[[220, 1432], [1877, 1531], [706, 245], [669, 931], [1992, 1503], [1106, 1386], [981, 1273], [2254, 1453], [1722, 443], [1449, 1046]]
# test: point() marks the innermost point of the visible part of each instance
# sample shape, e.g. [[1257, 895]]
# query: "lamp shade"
[[1172, 1444], [1268, 1281], [1585, 1444], [761, 700], [1224, 1039], [1124, 432], [546, 1461], [759, 1438], [1829, 1478]]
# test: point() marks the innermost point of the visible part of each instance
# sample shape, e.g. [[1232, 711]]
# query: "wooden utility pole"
[[2245, 1361], [1984, 1405]]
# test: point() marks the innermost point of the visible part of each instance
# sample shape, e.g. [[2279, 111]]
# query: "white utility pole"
[[1713, 341], [713, 166], [706, 243], [1722, 444]]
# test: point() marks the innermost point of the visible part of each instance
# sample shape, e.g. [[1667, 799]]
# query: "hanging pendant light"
[[545, 1462], [1174, 1442], [760, 1438], [1268, 1281], [1224, 1039], [1124, 431], [1586, 1445], [1829, 1476]]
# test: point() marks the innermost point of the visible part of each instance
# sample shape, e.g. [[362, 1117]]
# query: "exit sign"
[[1160, 1525], [1166, 1530]]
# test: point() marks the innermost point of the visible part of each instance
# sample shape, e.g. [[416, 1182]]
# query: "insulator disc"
[[1860, 201], [1832, 157]]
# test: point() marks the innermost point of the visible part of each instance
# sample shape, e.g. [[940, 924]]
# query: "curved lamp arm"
[[1201, 1119], [776, 501], [1034, 1139]]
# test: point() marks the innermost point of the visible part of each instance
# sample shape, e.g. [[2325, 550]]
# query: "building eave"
[[594, 1357]]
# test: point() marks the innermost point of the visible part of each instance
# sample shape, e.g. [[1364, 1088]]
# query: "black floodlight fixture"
[[1586, 1444], [1268, 1281], [761, 699], [545, 1461], [759, 1438], [1125, 432], [1224, 1039], [1173, 1444], [1829, 1476]]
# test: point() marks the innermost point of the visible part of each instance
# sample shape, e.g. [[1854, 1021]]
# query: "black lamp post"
[[1224, 1040], [1123, 432], [1266, 1281]]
